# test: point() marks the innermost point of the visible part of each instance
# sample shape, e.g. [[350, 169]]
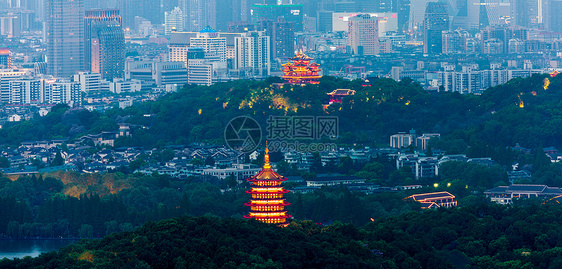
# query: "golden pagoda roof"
[[267, 172], [301, 56]]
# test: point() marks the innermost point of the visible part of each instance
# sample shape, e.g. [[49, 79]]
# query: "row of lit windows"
[[267, 183], [267, 208], [267, 196], [267, 202], [272, 221], [268, 214], [267, 189]]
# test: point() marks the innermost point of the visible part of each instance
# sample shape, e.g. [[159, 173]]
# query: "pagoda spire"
[[266, 164]]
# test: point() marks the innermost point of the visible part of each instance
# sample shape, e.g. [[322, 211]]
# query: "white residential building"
[[88, 81], [253, 54]]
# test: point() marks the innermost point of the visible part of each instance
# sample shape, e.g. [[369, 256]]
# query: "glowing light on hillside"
[[534, 93], [407, 103], [435, 185], [546, 83], [199, 111]]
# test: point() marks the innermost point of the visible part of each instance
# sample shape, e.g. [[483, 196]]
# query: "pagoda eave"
[[269, 192], [258, 217]]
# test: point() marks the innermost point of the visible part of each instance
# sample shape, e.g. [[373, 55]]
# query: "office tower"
[[281, 35], [225, 13], [65, 37], [363, 35], [324, 21], [174, 21], [291, 13], [526, 13], [108, 50], [436, 21], [152, 11], [199, 14], [403, 13], [5, 58], [129, 9], [91, 17], [253, 54], [553, 16]]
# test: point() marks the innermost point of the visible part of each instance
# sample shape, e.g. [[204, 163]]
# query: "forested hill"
[[521, 111], [482, 236]]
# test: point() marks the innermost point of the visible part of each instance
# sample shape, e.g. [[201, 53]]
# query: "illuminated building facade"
[[435, 200], [301, 71], [267, 204]]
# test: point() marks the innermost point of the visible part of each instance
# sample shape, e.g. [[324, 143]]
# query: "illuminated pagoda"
[[267, 203], [301, 71]]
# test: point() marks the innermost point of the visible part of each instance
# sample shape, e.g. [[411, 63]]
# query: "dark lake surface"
[[20, 248]]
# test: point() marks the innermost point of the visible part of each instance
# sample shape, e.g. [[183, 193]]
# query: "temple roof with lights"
[[301, 71], [267, 203]]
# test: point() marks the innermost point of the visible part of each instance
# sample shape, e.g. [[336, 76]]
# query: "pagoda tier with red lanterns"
[[301, 71], [267, 203]]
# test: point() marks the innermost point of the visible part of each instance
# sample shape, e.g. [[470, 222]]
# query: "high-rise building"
[[290, 13], [174, 21], [324, 21], [363, 35], [199, 14], [253, 54], [436, 21], [90, 18], [281, 35], [527, 13], [5, 58], [65, 37], [108, 50], [553, 18]]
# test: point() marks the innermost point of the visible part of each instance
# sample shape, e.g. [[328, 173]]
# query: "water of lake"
[[20, 248]]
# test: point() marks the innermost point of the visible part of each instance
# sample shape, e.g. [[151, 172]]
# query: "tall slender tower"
[[92, 17], [65, 37], [267, 204], [436, 21], [108, 50]]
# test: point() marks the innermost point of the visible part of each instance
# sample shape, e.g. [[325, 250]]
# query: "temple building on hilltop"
[[301, 71], [267, 203], [337, 95]]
